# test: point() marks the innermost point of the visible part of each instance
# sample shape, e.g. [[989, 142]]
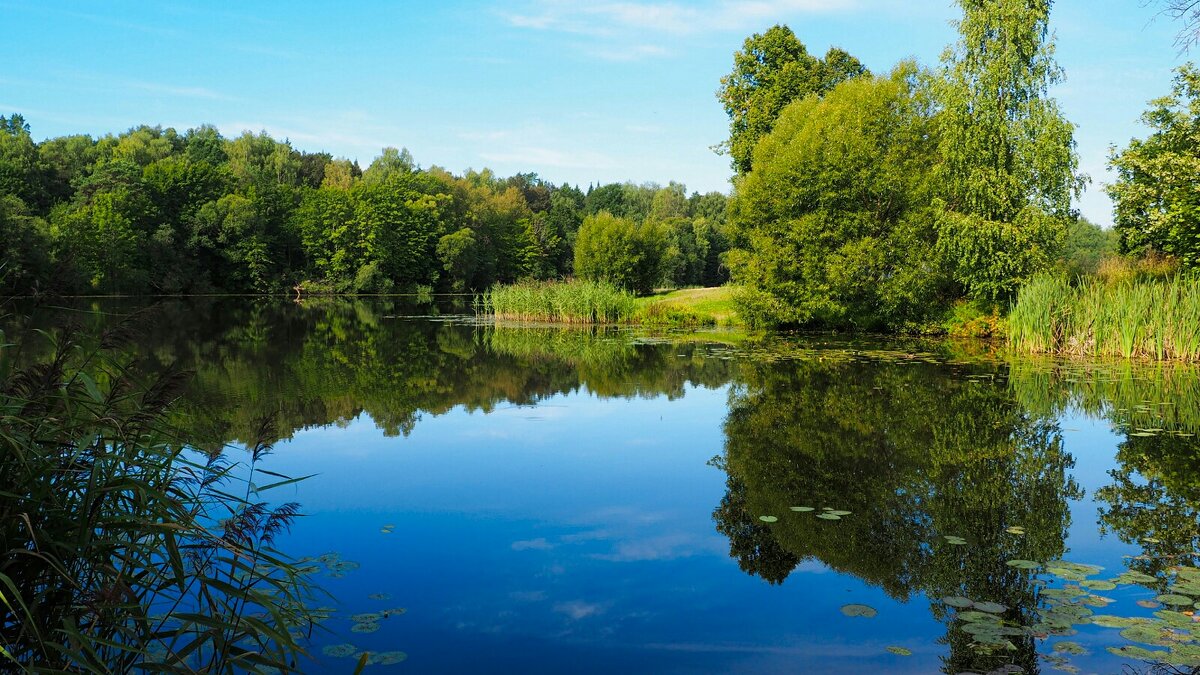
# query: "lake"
[[544, 499]]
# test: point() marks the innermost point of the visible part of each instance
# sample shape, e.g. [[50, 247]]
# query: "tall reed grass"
[[1135, 318], [121, 550], [583, 302]]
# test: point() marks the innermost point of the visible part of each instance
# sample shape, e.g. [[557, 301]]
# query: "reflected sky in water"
[[585, 502]]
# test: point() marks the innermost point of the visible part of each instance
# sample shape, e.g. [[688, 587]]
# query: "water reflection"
[[951, 467], [917, 452]]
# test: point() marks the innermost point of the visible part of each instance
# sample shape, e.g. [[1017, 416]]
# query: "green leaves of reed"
[[1141, 318], [576, 301], [121, 549]]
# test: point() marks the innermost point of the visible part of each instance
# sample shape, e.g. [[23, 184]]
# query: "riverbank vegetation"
[[600, 302], [121, 549], [155, 210]]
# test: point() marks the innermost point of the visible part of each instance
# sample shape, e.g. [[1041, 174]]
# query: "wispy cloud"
[[614, 18], [186, 92], [530, 155]]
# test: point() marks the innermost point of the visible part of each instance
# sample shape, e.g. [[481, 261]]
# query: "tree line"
[[153, 210]]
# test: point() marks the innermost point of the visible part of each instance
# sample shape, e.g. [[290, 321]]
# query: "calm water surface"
[[553, 500]]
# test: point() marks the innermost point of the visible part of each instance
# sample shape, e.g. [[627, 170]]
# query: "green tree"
[[619, 251], [772, 70], [834, 226], [1156, 205], [1009, 167]]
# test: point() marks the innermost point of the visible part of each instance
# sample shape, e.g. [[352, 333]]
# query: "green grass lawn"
[[689, 306]]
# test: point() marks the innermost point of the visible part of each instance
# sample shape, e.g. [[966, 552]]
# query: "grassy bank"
[[587, 302], [1142, 318]]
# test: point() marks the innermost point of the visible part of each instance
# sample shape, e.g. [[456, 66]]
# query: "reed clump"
[[577, 301], [1138, 317], [123, 550]]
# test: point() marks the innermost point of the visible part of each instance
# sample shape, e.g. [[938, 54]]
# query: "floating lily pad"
[[1024, 564], [340, 651], [865, 611], [369, 627], [367, 617], [1015, 529], [1098, 585], [1149, 604], [840, 513], [955, 541], [387, 658], [380, 596], [1174, 599], [1073, 648], [802, 509], [1147, 635], [900, 651], [957, 601], [829, 516], [990, 607], [394, 612], [974, 615], [768, 519]]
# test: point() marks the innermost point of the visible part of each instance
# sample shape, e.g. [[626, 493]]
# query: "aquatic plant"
[[574, 301], [1136, 318], [120, 548]]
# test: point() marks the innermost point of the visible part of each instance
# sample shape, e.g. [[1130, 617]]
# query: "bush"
[[620, 252]]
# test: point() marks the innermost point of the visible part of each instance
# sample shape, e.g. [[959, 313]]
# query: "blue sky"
[[594, 91]]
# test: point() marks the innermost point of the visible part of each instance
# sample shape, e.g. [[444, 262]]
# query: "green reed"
[[1132, 318], [122, 550], [577, 301]]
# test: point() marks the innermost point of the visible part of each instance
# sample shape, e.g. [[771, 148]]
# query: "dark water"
[[553, 500]]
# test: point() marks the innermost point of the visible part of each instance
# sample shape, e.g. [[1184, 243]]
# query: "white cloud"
[[185, 92], [578, 609], [614, 18], [539, 544]]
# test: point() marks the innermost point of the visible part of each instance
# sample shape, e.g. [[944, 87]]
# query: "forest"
[[156, 211]]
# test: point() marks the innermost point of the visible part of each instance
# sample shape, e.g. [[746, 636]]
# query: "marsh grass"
[[1132, 318], [120, 548], [577, 301]]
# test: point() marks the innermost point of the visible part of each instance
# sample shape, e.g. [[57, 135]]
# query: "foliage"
[[1141, 318], [153, 210], [120, 548], [564, 302], [834, 227], [914, 454], [619, 251], [1155, 198], [1008, 169], [772, 70], [1087, 245]]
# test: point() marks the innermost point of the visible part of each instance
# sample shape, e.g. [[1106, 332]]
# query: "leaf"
[[899, 651], [865, 611], [768, 519]]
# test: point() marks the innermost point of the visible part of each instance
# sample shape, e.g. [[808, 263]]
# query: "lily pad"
[[340, 651], [768, 519], [802, 509], [367, 617], [957, 601], [1024, 564], [990, 607], [380, 596], [369, 627], [386, 658], [899, 651], [865, 611], [1015, 529], [1073, 648], [1098, 585], [829, 516], [1174, 599], [1149, 604]]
